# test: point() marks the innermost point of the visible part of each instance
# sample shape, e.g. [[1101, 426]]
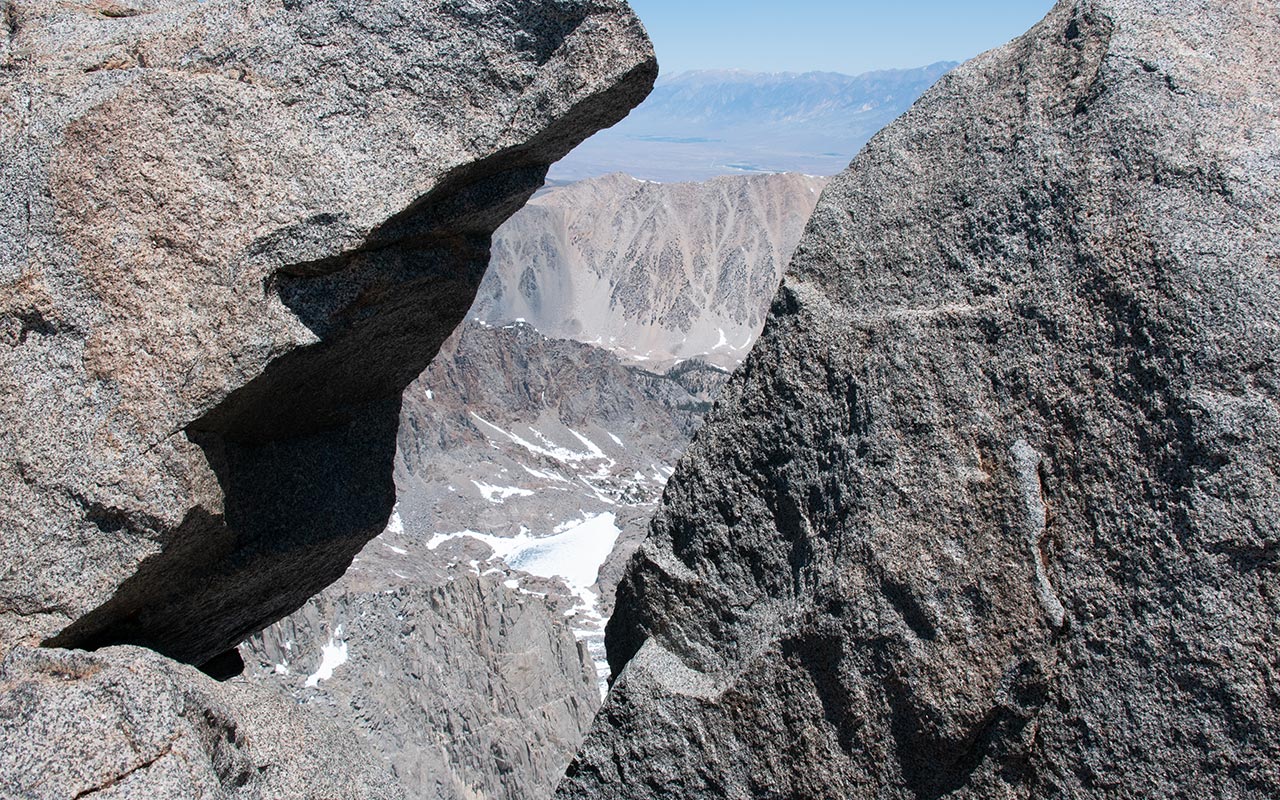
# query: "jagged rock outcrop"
[[657, 272], [231, 234], [992, 508], [466, 684], [472, 670]]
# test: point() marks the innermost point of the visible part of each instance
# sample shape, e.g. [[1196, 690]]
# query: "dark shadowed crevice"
[[224, 667], [821, 656]]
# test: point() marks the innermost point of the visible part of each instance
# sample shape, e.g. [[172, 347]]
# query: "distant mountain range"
[[657, 273], [697, 125]]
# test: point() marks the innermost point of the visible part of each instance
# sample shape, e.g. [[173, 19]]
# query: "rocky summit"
[[992, 509], [231, 234]]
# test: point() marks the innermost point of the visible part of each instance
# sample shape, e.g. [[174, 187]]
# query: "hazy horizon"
[[704, 123], [668, 76], [850, 38]]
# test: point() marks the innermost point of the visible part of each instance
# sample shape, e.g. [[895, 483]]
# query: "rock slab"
[[993, 508], [231, 234]]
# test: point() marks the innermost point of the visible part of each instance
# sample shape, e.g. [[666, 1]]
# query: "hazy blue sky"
[[848, 36]]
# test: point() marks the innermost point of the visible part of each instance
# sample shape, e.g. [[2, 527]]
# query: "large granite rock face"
[[993, 508], [231, 234], [127, 723]]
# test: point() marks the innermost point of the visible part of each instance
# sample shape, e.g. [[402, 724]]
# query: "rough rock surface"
[[127, 723], [992, 508], [470, 670], [465, 685], [231, 234], [656, 272]]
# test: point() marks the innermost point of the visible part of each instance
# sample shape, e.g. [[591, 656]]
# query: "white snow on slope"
[[591, 446], [546, 476], [499, 494], [574, 551], [332, 656], [548, 448]]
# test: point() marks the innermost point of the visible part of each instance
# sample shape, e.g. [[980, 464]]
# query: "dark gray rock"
[[465, 685], [992, 508], [232, 233]]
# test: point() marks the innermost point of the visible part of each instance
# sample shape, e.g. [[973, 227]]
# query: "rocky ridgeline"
[[655, 272], [528, 468], [232, 233], [992, 508], [470, 660]]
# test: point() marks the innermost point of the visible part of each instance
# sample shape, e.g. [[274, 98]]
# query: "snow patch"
[[546, 476], [591, 446], [548, 448], [332, 656], [500, 494], [574, 551]]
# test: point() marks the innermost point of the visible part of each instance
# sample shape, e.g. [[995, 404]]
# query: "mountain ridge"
[[699, 124]]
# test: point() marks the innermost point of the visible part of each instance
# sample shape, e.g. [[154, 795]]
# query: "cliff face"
[[463, 659], [656, 272], [992, 508], [232, 233], [465, 684]]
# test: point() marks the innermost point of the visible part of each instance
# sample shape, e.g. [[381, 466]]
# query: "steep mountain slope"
[[527, 470], [992, 509], [461, 642], [697, 125], [656, 272], [231, 233]]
